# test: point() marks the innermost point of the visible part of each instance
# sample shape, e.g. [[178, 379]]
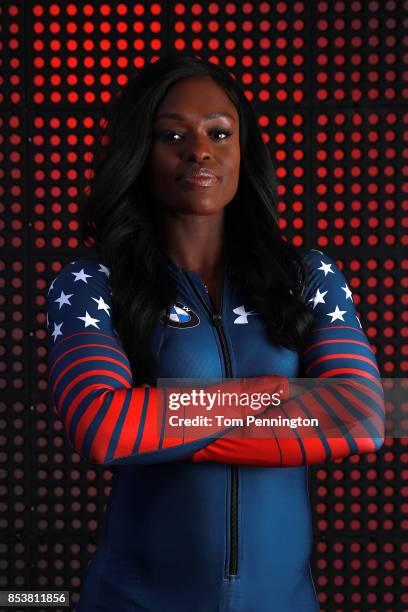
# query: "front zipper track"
[[217, 322]]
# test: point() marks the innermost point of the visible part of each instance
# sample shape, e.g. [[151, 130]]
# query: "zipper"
[[216, 318]]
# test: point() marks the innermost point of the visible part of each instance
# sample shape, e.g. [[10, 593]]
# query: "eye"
[[166, 136], [227, 132]]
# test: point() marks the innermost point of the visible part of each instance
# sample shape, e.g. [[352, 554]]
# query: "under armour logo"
[[242, 314]]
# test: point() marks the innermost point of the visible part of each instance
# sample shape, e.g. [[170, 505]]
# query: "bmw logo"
[[181, 316]]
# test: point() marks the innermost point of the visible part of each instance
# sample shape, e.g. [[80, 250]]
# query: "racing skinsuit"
[[202, 525]]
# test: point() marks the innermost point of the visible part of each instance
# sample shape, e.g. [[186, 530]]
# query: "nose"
[[197, 156], [196, 148]]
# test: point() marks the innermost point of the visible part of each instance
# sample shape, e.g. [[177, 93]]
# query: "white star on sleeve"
[[81, 276], [88, 320], [57, 330], [347, 292], [326, 268], [318, 298], [336, 314], [102, 305], [64, 299], [104, 269]]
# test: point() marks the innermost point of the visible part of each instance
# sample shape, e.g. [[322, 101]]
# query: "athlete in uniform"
[[207, 524], [203, 535]]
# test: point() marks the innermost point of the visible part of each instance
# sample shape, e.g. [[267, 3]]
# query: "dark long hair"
[[120, 225]]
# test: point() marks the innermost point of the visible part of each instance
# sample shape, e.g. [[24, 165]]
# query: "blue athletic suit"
[[205, 525]]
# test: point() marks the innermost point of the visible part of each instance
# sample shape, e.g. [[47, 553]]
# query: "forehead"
[[196, 96]]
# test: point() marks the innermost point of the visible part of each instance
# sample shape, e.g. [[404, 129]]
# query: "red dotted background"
[[328, 81]]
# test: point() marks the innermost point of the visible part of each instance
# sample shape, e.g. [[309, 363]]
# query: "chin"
[[193, 206], [200, 210]]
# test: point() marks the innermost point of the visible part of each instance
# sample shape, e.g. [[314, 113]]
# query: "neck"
[[195, 242]]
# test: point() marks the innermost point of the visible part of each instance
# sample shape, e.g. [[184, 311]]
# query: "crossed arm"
[[111, 422]]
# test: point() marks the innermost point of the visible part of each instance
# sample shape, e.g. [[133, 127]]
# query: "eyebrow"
[[213, 115]]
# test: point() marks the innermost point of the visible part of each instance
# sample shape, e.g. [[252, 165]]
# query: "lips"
[[197, 174], [193, 182]]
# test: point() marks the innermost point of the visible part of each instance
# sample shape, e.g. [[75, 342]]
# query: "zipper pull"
[[216, 319]]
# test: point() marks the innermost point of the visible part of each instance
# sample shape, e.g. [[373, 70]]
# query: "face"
[[193, 141]]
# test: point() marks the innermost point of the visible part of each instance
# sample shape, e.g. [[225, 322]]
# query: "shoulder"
[[313, 256], [80, 282], [327, 292], [82, 274], [320, 265], [324, 273], [90, 265], [313, 260], [79, 299]]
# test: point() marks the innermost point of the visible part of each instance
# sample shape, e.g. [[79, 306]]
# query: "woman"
[[194, 281]]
